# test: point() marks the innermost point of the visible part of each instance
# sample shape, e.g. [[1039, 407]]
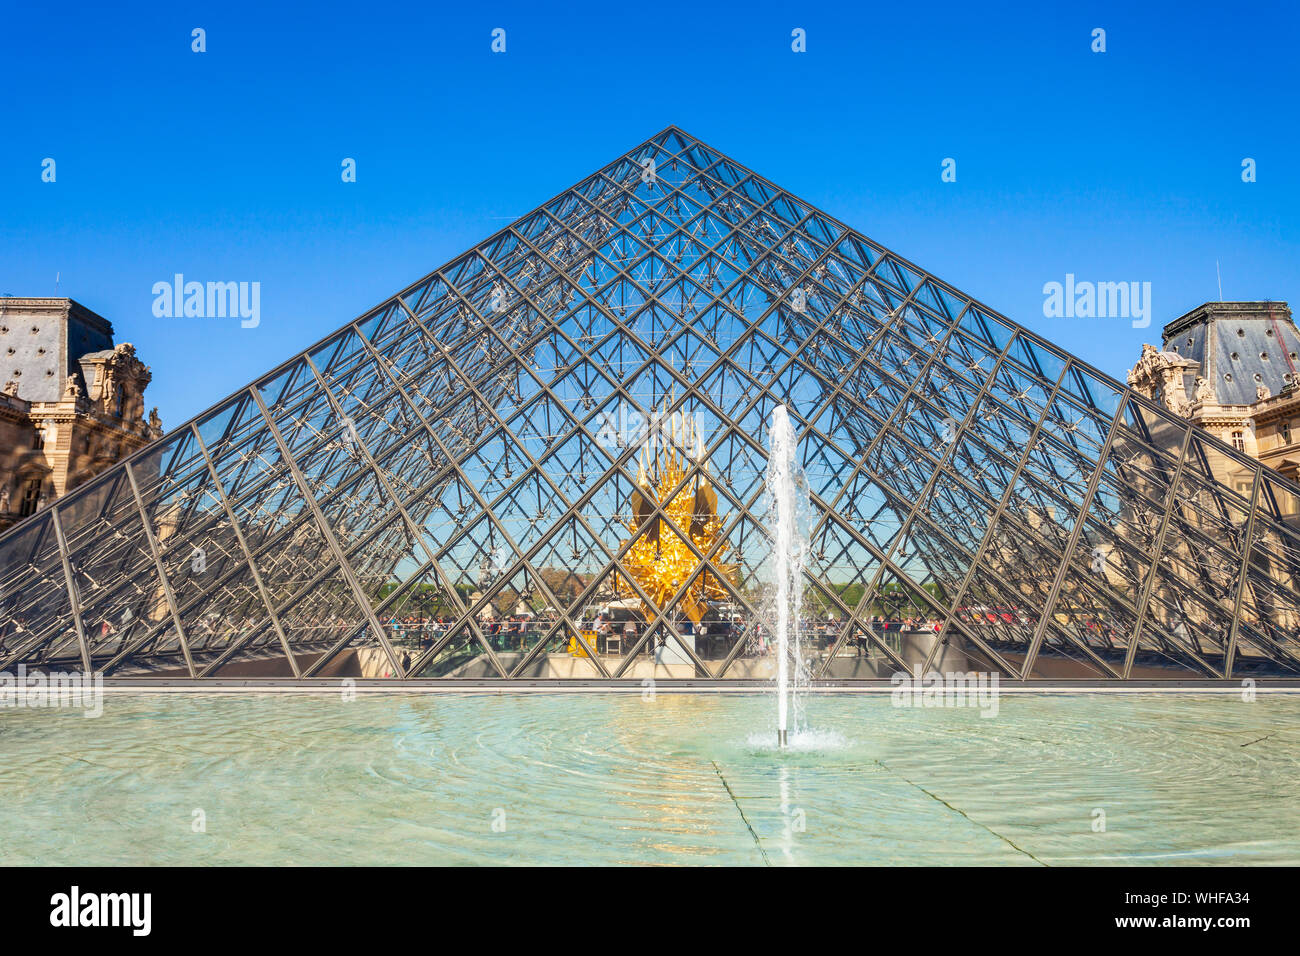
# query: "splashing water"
[[788, 502]]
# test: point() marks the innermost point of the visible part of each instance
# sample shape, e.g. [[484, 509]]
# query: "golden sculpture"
[[659, 560]]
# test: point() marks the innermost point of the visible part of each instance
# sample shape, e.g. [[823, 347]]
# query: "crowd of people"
[[620, 636], [504, 634]]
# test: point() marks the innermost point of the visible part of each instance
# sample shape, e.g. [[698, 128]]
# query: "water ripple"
[[570, 779]]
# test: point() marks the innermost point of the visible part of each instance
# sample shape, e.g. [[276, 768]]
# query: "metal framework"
[[469, 453]]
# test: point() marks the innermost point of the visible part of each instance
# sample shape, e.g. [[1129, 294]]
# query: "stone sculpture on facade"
[[1204, 391], [1159, 376]]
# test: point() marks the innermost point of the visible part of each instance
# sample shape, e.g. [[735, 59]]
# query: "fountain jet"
[[785, 488]]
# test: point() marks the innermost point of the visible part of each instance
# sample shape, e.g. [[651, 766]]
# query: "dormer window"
[[121, 401]]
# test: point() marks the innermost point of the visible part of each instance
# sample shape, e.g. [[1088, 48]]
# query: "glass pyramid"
[[545, 460]]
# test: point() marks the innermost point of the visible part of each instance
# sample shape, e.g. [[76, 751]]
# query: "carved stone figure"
[[1262, 392], [118, 380], [1159, 376], [1204, 391], [1145, 365]]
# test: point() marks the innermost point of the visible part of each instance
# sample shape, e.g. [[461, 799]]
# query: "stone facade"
[[71, 404]]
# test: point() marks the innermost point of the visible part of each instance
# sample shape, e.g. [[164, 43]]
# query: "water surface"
[[605, 779]]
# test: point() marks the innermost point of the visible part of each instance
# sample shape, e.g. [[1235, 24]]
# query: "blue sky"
[[224, 166]]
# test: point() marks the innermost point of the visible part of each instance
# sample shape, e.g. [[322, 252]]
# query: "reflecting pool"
[[680, 779]]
